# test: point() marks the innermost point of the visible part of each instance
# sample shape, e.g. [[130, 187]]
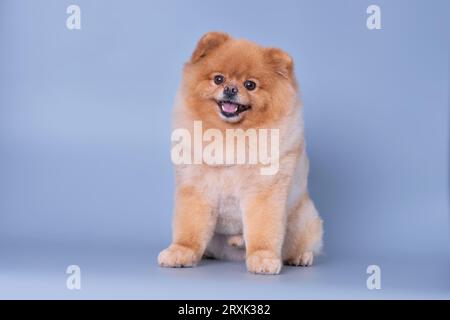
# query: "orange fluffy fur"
[[234, 212]]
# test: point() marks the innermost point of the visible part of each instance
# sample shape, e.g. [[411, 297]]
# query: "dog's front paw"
[[304, 259], [177, 256], [264, 262]]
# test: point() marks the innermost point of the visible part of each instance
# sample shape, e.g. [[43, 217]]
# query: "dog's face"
[[238, 82]]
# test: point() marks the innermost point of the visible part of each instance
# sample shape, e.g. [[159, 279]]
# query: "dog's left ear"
[[281, 62], [207, 43]]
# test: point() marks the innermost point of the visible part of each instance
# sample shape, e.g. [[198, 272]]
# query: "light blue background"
[[85, 170]]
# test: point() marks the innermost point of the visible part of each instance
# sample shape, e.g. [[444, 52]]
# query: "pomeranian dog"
[[233, 211]]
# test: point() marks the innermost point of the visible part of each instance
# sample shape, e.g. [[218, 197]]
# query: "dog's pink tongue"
[[229, 107]]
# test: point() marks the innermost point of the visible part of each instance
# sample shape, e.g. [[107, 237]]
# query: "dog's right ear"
[[209, 42]]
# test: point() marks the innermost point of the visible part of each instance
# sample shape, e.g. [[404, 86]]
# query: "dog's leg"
[[193, 227], [304, 233], [264, 227]]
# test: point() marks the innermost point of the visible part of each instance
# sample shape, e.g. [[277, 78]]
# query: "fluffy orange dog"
[[233, 211]]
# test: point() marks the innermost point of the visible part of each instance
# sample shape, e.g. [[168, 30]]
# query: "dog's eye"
[[219, 79], [249, 85]]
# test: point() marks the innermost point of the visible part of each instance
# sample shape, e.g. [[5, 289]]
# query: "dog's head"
[[238, 82]]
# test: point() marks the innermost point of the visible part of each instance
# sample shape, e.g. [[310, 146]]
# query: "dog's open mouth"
[[230, 109]]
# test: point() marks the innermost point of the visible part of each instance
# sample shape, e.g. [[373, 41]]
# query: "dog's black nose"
[[230, 91]]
